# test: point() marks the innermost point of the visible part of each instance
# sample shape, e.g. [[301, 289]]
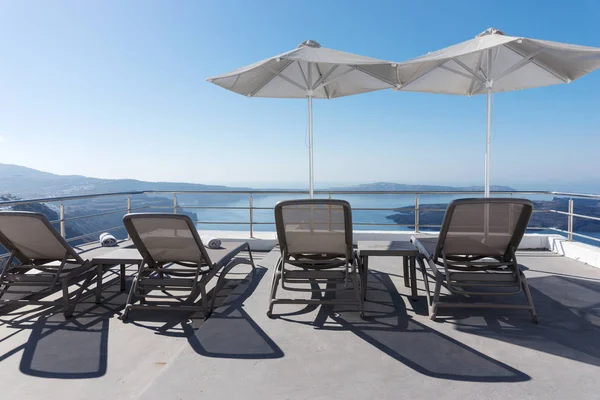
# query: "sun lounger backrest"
[[317, 226], [166, 238], [31, 236], [485, 227]]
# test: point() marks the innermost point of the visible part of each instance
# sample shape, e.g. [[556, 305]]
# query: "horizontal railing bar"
[[95, 233], [273, 223], [182, 206], [586, 217], [301, 192], [374, 209], [586, 236], [102, 214], [577, 215], [397, 209], [379, 224], [233, 223], [222, 223], [576, 234], [568, 194], [294, 192], [351, 192], [425, 209], [66, 198]]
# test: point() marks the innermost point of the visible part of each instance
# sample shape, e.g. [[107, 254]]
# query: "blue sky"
[[117, 89]]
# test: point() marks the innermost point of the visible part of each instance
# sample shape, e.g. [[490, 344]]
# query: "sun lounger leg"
[[406, 273], [274, 284], [425, 281], [81, 290], [99, 270], [356, 278], [122, 277], [129, 302], [65, 291], [529, 298], [216, 290], [436, 296], [251, 258], [365, 277], [204, 303]]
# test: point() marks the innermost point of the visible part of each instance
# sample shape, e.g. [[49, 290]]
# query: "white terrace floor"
[[316, 353]]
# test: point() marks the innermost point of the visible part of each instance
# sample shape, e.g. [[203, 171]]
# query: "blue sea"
[[264, 219]]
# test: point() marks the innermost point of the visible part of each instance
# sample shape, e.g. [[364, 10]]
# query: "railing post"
[[570, 224], [330, 216], [250, 206], [417, 213], [61, 209], [174, 203], [128, 211]]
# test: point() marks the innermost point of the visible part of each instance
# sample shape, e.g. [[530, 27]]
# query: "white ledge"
[[265, 241], [577, 251]]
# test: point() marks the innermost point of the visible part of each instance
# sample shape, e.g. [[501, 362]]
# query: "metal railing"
[[177, 206]]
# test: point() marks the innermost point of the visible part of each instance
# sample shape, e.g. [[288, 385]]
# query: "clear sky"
[[117, 89]]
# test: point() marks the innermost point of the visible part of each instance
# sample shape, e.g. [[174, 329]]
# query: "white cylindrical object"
[[107, 240], [210, 242]]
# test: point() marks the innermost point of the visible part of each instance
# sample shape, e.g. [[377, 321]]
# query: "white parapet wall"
[[577, 251], [265, 241]]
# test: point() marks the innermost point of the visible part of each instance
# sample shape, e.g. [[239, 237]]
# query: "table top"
[[120, 256], [124, 252], [387, 248]]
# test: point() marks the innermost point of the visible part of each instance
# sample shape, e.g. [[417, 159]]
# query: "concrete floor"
[[316, 352]]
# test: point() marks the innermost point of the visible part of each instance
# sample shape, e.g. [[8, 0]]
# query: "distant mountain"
[[27, 183], [387, 186], [30, 183]]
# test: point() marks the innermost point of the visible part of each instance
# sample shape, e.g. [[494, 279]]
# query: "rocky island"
[[543, 216]]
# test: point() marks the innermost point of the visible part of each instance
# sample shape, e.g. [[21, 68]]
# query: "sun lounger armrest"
[[426, 246], [230, 254]]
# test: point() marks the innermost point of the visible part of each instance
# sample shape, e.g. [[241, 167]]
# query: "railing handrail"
[[299, 192], [66, 198]]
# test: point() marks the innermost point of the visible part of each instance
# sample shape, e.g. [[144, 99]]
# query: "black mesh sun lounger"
[[176, 266], [40, 262], [315, 239], [475, 253]]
